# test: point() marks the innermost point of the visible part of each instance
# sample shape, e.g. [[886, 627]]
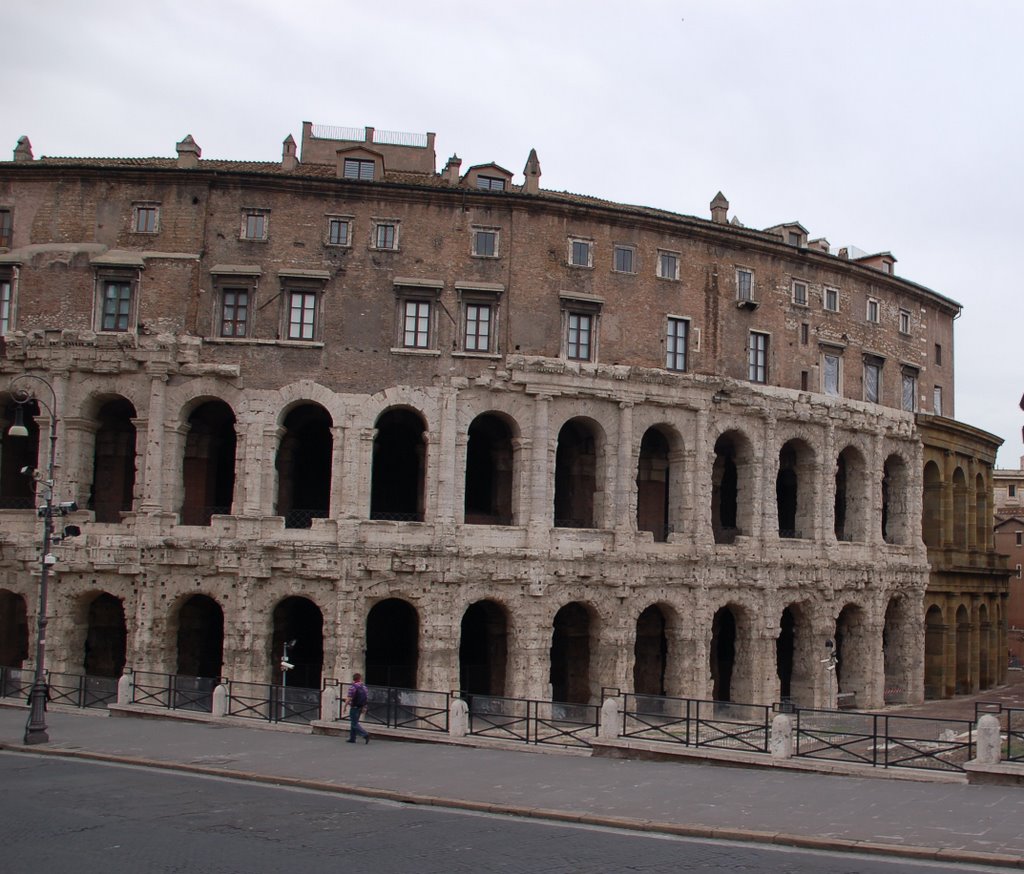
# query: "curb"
[[740, 835]]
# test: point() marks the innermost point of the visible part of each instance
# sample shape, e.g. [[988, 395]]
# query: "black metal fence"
[[530, 721], [15, 682], [416, 709], [697, 723], [174, 691], [81, 690], [1011, 723], [273, 703]]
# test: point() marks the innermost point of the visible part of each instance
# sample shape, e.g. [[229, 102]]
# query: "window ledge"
[[253, 239], [259, 341], [491, 356], [401, 350]]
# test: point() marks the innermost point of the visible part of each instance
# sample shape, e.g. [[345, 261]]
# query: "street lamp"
[[35, 728]]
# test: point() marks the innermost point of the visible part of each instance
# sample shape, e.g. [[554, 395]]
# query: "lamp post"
[[35, 728]]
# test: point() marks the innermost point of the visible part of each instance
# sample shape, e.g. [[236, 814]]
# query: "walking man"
[[355, 700]]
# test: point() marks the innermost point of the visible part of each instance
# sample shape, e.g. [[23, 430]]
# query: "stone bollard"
[[458, 718], [126, 688], [220, 700], [989, 743], [781, 740], [609, 719], [329, 703]]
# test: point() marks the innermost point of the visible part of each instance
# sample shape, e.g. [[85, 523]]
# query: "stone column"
[[541, 472], [876, 466], [700, 481], [74, 481], [337, 472], [444, 467], [827, 493], [625, 485], [152, 472], [766, 523]]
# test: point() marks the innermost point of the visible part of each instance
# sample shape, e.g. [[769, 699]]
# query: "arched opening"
[[653, 485], [298, 619], [959, 509], [208, 468], [570, 655], [934, 653], [852, 653], [982, 520], [483, 649], [113, 477], [731, 512], [898, 651], [984, 631], [13, 630], [304, 466], [895, 501], [200, 637], [931, 517], [794, 490], [399, 467], [650, 653], [392, 644], [106, 640], [576, 475], [723, 654], [17, 490], [963, 651], [489, 468], [795, 659], [852, 503]]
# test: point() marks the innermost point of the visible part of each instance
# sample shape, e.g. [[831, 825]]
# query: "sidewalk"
[[951, 822]]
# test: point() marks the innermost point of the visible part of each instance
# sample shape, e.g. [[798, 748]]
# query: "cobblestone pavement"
[[962, 707]]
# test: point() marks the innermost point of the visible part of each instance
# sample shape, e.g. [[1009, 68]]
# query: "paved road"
[[703, 800], [64, 816]]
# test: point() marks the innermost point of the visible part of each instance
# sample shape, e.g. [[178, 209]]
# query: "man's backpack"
[[359, 696]]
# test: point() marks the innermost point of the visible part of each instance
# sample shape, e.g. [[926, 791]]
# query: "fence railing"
[[695, 722], [391, 707], [527, 720], [15, 682], [273, 703], [174, 691], [1011, 722], [81, 690]]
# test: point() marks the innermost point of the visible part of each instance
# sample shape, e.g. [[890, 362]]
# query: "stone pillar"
[[220, 700], [337, 472], [766, 523], [458, 718], [265, 478], [152, 472], [125, 687], [700, 481], [541, 472], [989, 741], [364, 472], [174, 454], [624, 495], [876, 468], [827, 493], [781, 740], [445, 465], [610, 720], [75, 480]]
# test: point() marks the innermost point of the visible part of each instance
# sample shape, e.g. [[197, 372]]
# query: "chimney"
[[288, 160], [844, 253], [23, 151], [368, 135], [451, 171], [188, 153], [720, 209], [532, 173]]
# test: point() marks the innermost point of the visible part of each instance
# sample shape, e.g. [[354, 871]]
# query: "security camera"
[[49, 559], [26, 470], [286, 666], [68, 507]]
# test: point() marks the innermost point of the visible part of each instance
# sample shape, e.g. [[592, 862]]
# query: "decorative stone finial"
[[532, 173], [188, 152], [23, 151], [451, 170], [289, 160], [720, 209]]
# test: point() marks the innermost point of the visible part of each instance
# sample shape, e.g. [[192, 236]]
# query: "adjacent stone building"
[[462, 432], [1009, 541]]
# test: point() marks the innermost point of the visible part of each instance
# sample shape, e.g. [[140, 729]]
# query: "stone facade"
[[456, 432]]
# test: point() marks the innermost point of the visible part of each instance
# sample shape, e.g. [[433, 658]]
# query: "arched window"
[[399, 467], [304, 466]]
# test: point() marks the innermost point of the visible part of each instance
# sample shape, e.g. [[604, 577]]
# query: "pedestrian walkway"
[[952, 822]]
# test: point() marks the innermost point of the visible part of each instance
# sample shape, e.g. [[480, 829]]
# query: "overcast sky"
[[883, 125]]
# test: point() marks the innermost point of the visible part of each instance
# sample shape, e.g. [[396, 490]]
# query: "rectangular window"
[[145, 218], [578, 338], [872, 310], [490, 183], [6, 302], [757, 357], [623, 259], [675, 343], [831, 300], [872, 382], [357, 168], [234, 321], [117, 306], [744, 285], [478, 327], [938, 354], [830, 374], [1020, 538], [338, 232], [800, 294], [254, 224], [485, 243], [6, 231], [416, 324], [805, 333], [668, 265], [1018, 572], [904, 321], [909, 393], [385, 236], [302, 315], [580, 253], [1011, 490], [937, 400]]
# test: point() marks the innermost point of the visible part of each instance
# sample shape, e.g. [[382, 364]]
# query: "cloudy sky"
[[884, 125]]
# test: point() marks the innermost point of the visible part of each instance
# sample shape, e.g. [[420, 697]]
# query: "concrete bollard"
[[458, 718], [609, 719], [989, 744], [329, 704], [126, 688], [220, 700], [781, 741]]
